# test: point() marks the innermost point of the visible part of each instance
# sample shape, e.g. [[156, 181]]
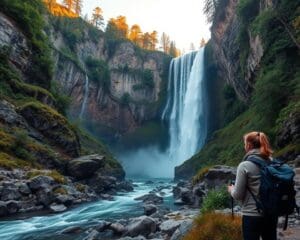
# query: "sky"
[[182, 20]]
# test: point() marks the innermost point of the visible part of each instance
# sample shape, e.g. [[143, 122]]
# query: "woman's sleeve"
[[240, 186]]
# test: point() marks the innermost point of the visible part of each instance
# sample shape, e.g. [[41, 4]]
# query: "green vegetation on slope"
[[29, 18], [276, 90], [40, 97]]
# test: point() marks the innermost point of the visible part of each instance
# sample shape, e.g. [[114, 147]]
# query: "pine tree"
[[77, 6], [154, 40], [165, 42], [69, 4], [97, 17], [136, 34]]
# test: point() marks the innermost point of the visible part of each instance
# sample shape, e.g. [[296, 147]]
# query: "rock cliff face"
[[127, 66], [12, 37], [227, 52]]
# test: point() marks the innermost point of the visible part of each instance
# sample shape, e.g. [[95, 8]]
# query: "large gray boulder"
[[184, 227], [10, 192], [40, 182], [150, 198], [84, 167], [141, 226], [149, 209], [169, 227], [3, 209], [102, 184], [219, 176]]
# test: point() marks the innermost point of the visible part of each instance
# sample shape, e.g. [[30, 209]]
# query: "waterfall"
[[85, 97], [185, 110], [186, 115]]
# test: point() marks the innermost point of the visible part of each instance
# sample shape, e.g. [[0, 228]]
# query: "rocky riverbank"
[[24, 191]]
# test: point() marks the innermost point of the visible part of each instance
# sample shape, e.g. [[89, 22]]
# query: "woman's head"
[[258, 140]]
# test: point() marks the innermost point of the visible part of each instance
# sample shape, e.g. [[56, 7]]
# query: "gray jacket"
[[248, 174]]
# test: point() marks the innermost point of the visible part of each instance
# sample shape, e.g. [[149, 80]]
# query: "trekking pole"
[[232, 201], [232, 212]]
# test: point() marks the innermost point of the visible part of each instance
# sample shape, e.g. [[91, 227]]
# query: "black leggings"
[[256, 227]]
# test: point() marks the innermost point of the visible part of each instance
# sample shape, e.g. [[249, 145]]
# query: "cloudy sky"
[[182, 20]]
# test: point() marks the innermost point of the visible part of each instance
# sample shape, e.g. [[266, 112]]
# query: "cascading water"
[[186, 106], [85, 97], [186, 115]]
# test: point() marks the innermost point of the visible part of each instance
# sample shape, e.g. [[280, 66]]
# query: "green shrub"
[[98, 72], [247, 10], [19, 146], [215, 199], [233, 106]]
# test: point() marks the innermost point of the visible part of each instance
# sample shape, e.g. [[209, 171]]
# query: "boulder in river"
[[84, 167], [150, 198], [141, 226]]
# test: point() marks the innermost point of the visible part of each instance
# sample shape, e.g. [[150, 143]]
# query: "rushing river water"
[[89, 214]]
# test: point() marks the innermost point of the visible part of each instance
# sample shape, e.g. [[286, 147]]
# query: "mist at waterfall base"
[[185, 114]]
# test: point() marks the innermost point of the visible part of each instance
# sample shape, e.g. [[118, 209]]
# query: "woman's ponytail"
[[261, 141], [265, 148]]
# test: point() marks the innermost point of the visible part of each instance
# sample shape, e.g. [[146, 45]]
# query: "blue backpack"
[[277, 195]]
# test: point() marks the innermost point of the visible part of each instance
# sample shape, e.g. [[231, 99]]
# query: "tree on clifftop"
[[121, 26], [165, 42], [73, 5], [135, 34], [97, 17]]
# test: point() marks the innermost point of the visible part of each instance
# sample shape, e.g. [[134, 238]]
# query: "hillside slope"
[[255, 45]]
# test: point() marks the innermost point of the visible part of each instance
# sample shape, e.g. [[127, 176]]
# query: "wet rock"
[[3, 209], [117, 228], [10, 192], [40, 182], [133, 238], [84, 167], [107, 234], [45, 197], [150, 198], [67, 200], [169, 226], [72, 230], [149, 209], [107, 197], [141, 226], [125, 186], [93, 235], [24, 189], [57, 208], [101, 184], [102, 226], [12, 206]]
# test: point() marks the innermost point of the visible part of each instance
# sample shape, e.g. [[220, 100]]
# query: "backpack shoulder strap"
[[257, 160]]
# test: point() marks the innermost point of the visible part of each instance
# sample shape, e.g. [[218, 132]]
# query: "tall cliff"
[[124, 81], [255, 50], [34, 132]]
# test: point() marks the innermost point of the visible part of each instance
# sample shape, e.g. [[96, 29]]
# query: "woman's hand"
[[230, 188]]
